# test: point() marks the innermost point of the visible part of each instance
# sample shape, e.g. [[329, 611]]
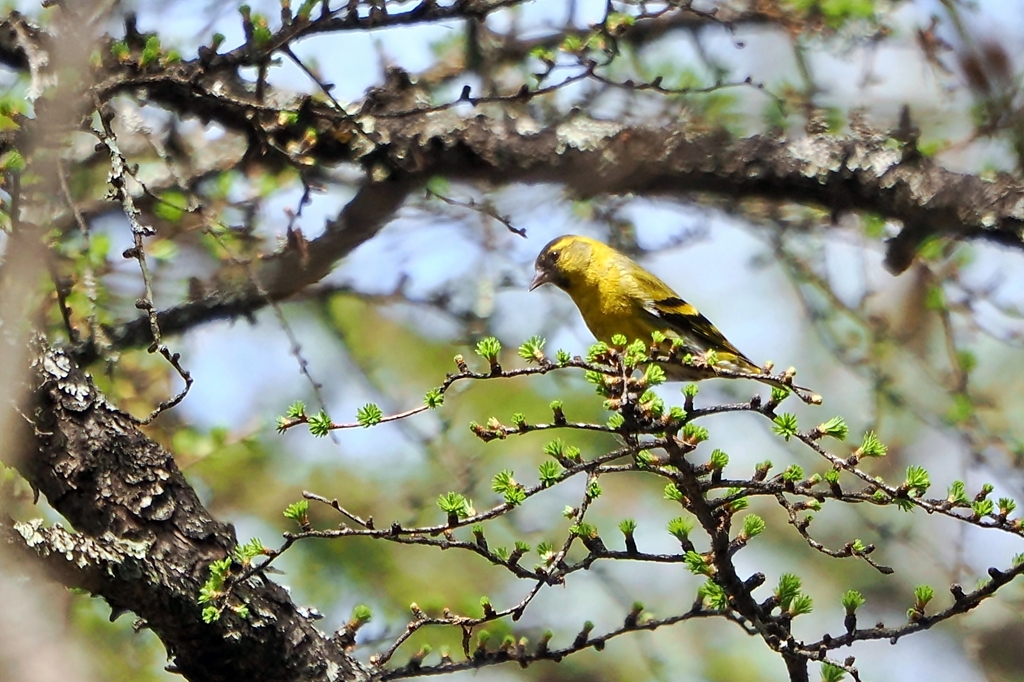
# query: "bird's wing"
[[675, 314], [662, 309]]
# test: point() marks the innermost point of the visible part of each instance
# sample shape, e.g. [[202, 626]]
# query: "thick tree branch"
[[144, 542], [864, 171], [861, 172], [856, 173]]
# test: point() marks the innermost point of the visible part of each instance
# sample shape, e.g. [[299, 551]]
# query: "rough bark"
[[143, 541]]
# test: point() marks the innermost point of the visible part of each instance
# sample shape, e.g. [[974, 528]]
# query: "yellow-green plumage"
[[617, 296]]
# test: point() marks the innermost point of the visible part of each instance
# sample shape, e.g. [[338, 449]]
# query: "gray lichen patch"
[[586, 134], [816, 159], [78, 549]]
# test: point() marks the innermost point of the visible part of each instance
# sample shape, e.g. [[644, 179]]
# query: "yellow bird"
[[617, 296]]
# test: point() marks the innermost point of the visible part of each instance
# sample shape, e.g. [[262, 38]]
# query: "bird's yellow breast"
[[608, 301]]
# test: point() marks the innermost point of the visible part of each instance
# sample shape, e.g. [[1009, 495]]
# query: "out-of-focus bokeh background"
[[931, 359]]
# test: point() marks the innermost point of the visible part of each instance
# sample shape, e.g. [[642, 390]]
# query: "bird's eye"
[[554, 256]]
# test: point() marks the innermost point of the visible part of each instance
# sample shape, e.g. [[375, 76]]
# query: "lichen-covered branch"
[[144, 541], [856, 173]]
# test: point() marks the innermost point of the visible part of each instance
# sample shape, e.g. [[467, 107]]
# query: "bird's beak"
[[542, 277]]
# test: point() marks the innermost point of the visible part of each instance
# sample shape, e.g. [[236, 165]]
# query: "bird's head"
[[564, 260]]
